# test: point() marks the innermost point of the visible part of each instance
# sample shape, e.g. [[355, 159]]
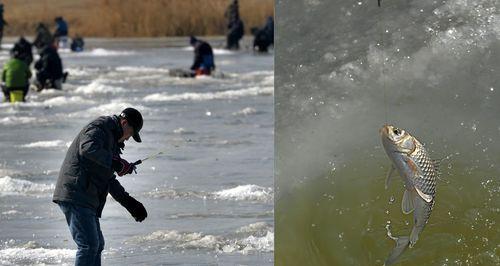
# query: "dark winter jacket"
[[61, 28], [49, 66], [236, 30], [264, 37], [43, 36], [86, 176], [203, 56]]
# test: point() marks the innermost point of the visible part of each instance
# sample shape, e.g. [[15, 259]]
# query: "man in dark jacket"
[[235, 26], [61, 28], [49, 69], [2, 24], [203, 57], [86, 177], [264, 37], [43, 37]]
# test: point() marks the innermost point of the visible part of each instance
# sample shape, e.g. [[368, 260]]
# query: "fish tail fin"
[[401, 245]]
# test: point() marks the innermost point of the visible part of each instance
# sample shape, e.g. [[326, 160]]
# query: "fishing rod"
[[154, 155], [148, 157]]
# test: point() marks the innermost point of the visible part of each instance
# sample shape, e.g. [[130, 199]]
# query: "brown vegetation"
[[133, 18]]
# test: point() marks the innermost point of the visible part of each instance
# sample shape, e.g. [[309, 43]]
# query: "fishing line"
[[382, 44]]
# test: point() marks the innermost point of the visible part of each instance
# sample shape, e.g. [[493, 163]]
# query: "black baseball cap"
[[134, 119]]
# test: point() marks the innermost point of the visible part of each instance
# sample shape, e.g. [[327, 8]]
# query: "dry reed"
[[133, 18]]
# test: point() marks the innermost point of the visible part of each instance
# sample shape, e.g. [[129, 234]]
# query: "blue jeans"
[[86, 232]]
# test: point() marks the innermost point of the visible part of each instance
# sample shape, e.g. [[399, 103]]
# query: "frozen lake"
[[209, 197]]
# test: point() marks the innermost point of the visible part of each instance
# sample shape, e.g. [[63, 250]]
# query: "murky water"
[[209, 197], [430, 67]]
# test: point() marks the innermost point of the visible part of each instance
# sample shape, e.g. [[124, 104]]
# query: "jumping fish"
[[419, 173]]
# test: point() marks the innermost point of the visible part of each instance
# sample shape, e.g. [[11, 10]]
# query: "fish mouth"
[[384, 131]]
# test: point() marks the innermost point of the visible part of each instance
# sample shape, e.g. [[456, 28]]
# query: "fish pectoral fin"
[[389, 175], [407, 205], [427, 198]]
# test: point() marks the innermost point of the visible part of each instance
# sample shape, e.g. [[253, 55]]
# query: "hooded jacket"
[[49, 66], [86, 176]]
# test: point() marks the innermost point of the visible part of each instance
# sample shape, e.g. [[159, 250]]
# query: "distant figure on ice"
[[264, 37], [2, 24], [77, 44], [25, 50], [15, 77], [87, 176], [43, 37], [49, 69], [235, 26], [203, 57], [61, 33]]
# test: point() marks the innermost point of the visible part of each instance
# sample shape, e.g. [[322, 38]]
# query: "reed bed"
[[133, 18]]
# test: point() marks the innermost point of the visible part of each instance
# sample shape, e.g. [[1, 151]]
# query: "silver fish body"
[[419, 174]]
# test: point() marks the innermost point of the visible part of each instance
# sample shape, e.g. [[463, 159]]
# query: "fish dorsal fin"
[[407, 202], [427, 198]]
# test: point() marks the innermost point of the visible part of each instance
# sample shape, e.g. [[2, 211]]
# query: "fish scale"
[[425, 181]]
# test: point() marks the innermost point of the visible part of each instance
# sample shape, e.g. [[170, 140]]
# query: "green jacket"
[[16, 73]]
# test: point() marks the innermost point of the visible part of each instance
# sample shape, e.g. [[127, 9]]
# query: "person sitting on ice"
[[77, 44], [203, 57], [61, 32], [49, 69], [15, 75], [264, 37]]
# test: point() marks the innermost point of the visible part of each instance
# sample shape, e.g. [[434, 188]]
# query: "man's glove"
[[135, 208], [121, 166]]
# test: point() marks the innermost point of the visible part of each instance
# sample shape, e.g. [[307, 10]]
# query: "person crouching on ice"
[[86, 177], [15, 75], [203, 57]]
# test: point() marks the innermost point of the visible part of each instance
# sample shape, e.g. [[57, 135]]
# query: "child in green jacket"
[[15, 76]]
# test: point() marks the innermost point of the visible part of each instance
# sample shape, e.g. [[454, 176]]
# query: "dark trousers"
[[86, 232]]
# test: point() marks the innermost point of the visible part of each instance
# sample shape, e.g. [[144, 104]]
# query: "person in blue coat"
[[61, 32], [203, 57]]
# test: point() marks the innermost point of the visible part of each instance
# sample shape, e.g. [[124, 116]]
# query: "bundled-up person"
[[61, 32], [25, 50], [235, 26], [49, 69], [203, 57], [2, 23], [15, 76], [87, 177], [77, 44], [43, 37], [264, 37]]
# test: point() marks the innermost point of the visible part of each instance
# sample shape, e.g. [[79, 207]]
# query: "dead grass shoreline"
[[132, 18]]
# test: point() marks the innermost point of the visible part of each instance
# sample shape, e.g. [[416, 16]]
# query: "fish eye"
[[397, 131]]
